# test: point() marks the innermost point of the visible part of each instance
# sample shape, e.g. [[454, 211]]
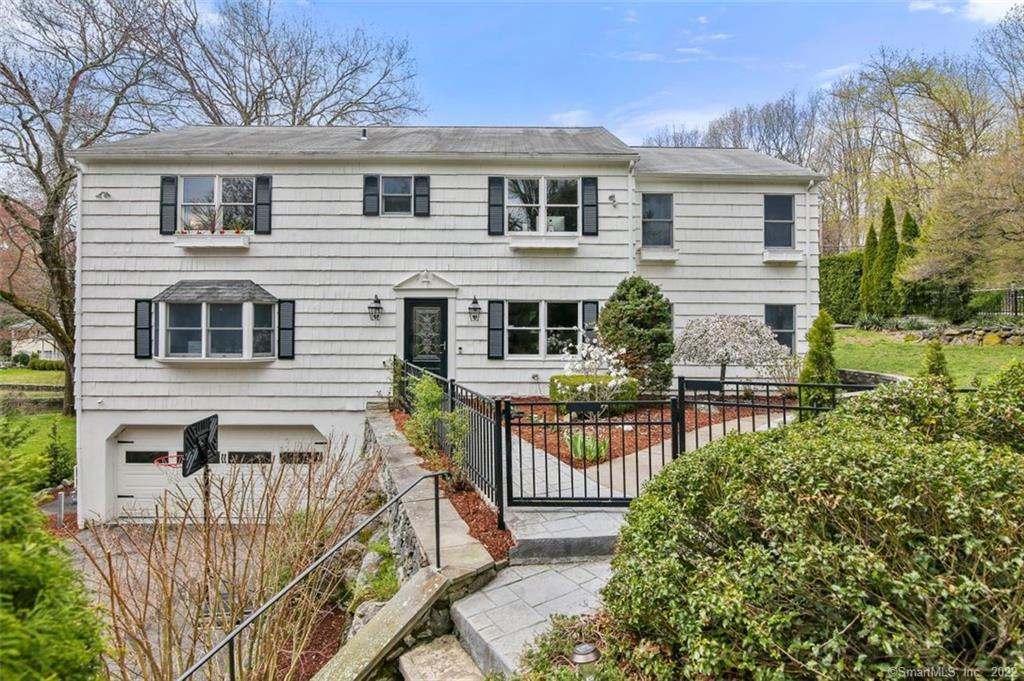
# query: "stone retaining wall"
[[1001, 335]]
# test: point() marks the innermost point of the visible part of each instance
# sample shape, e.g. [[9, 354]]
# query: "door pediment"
[[425, 283]]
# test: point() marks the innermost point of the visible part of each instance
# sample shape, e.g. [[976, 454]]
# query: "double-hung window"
[[263, 330], [538, 329], [657, 219], [542, 204], [185, 329], [396, 195], [211, 203], [778, 221], [224, 329], [782, 320]]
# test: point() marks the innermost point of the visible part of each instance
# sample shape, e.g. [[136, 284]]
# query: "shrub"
[[427, 412], [870, 250], [883, 299], [874, 322], [60, 457], [837, 548], [996, 412], [728, 339], [48, 627], [934, 365], [36, 364], [457, 424], [819, 362], [638, 319], [582, 388], [839, 285], [585, 446], [21, 359], [986, 301]]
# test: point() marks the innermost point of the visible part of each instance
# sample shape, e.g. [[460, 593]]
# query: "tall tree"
[[870, 249], [1004, 47], [68, 79], [883, 297], [906, 292], [246, 63]]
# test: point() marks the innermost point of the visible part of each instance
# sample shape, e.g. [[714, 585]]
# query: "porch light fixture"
[[585, 657], [375, 308], [475, 310]]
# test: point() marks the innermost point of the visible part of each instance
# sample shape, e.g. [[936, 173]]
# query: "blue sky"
[[634, 67]]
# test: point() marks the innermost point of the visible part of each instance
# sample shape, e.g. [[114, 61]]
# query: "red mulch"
[[70, 528], [626, 434], [324, 642], [481, 518]]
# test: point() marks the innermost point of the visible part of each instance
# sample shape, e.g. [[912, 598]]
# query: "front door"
[[426, 334]]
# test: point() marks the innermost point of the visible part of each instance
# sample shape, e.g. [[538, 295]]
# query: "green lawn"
[[22, 375], [874, 351], [38, 433]]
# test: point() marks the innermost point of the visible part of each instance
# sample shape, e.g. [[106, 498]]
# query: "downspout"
[[807, 253], [630, 192], [77, 377]]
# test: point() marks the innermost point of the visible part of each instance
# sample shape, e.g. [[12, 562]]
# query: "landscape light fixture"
[[375, 308], [475, 310], [585, 657]]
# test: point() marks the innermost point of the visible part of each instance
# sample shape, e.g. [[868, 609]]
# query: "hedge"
[[870, 539], [566, 388], [839, 285], [46, 365]]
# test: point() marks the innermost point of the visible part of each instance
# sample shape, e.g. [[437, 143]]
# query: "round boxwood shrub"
[[638, 319], [840, 547], [571, 388]]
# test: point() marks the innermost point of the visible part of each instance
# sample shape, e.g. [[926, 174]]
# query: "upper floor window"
[[782, 320], [538, 329], [396, 195], [778, 221], [540, 204], [212, 203], [657, 219]]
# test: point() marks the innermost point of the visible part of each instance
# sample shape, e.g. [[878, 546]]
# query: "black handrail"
[[229, 640]]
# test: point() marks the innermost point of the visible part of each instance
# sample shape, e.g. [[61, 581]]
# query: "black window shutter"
[[286, 329], [496, 206], [371, 195], [590, 308], [168, 204], [421, 196], [143, 329], [496, 329], [262, 222], [589, 206]]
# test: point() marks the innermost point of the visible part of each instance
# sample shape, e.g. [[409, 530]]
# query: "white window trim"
[[411, 195], [792, 224], [542, 207], [273, 331], [671, 220], [218, 204], [774, 330], [542, 320], [247, 337]]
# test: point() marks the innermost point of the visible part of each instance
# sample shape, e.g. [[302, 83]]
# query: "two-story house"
[[268, 274]]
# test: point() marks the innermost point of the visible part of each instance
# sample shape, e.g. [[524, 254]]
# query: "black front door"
[[426, 334]]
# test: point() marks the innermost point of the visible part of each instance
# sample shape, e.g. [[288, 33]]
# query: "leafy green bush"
[[48, 626], [839, 285], [577, 388], [427, 412], [866, 267], [935, 365], [986, 301], [21, 359], [996, 412], [60, 457], [819, 363], [842, 547], [45, 365], [638, 318]]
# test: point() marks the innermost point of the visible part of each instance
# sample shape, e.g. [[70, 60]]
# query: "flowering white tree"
[[602, 370], [728, 339]]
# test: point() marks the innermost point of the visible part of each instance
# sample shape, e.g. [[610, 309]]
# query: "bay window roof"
[[219, 291]]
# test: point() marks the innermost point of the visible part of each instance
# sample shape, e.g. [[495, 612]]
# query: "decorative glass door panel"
[[426, 334]]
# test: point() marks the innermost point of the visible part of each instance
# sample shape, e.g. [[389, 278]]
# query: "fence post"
[[506, 420], [674, 401], [499, 491], [680, 394]]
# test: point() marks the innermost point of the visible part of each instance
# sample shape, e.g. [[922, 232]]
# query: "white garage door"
[[141, 484]]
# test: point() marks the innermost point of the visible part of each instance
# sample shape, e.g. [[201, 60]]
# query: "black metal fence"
[[709, 409], [1005, 302]]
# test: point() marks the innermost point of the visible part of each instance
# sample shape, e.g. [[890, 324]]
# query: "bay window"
[[263, 330], [215, 330], [225, 329], [542, 204], [185, 329]]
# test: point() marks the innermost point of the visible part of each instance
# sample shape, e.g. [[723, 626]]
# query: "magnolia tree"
[[729, 339], [600, 369]]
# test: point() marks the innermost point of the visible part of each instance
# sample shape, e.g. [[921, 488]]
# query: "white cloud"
[[940, 6], [987, 11], [692, 50], [637, 56], [631, 17], [572, 118], [826, 76], [631, 121], [701, 20], [711, 37]]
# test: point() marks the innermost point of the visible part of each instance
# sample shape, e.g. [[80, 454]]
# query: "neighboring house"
[[30, 338], [268, 274]]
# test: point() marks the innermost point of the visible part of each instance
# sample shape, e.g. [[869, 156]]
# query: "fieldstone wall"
[[987, 336]]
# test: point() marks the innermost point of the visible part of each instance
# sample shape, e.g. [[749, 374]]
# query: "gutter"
[[200, 155], [807, 252]]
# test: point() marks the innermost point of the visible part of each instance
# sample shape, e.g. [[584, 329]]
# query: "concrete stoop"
[[442, 659], [552, 535], [399, 617], [497, 622]]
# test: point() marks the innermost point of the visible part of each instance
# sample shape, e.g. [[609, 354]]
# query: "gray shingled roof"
[[223, 291], [380, 141], [718, 163]]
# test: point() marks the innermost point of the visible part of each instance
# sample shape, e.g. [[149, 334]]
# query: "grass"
[[875, 351], [37, 432], [22, 375]]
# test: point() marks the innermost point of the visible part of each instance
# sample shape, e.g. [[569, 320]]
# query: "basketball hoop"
[[169, 460]]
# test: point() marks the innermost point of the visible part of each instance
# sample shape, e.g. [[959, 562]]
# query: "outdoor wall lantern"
[[585, 657], [475, 310], [375, 308]]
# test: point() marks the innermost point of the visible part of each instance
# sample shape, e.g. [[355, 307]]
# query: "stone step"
[[360, 656], [498, 621], [442, 659], [545, 535]]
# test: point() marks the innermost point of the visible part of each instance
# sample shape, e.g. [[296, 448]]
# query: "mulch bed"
[[324, 642], [481, 518], [625, 434], [70, 528]]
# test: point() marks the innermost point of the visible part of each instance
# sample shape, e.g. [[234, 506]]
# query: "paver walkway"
[[497, 622]]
